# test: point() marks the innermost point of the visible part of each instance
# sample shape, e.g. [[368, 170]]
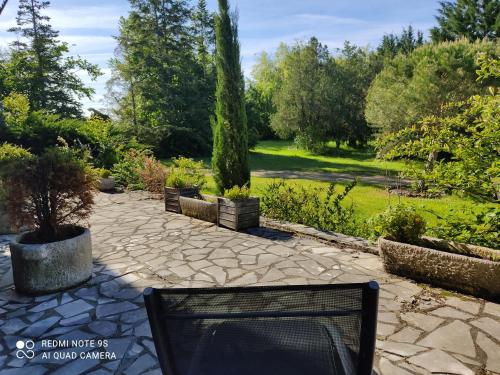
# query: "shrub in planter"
[[185, 179], [237, 210], [8, 154], [399, 223], [54, 193], [465, 268], [106, 181]]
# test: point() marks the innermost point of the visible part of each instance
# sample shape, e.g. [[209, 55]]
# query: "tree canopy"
[[472, 19], [418, 85], [36, 65], [163, 77]]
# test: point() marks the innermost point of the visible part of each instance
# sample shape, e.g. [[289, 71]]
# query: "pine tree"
[[230, 152], [38, 66], [163, 78], [472, 19]]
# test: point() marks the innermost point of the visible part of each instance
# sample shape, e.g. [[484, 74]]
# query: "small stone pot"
[[107, 184], [50, 267]]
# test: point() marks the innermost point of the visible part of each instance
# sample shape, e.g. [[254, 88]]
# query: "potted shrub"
[[8, 154], [54, 193], [106, 181], [406, 252], [185, 179], [238, 210]]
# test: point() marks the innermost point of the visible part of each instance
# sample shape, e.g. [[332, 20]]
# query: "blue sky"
[[89, 25]]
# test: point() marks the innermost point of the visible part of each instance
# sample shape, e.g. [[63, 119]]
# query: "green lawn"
[[370, 200], [283, 155]]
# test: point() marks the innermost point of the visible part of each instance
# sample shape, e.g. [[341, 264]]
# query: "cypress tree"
[[230, 152]]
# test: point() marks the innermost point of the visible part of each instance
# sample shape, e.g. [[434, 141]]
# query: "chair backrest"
[[181, 318]]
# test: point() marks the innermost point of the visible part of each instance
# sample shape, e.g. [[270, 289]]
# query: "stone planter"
[[172, 196], [239, 214], [465, 269], [199, 208], [51, 267], [107, 184]]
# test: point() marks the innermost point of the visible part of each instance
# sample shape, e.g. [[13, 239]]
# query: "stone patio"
[[421, 330]]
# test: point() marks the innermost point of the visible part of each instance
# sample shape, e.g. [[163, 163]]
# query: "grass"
[[284, 155], [368, 200], [371, 200]]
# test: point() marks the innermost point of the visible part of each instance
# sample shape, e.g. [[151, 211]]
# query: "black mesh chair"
[[289, 330]]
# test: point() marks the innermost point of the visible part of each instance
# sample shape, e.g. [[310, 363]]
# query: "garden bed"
[[465, 268], [203, 208]]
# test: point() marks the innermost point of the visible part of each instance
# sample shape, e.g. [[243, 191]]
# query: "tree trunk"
[[2, 6]]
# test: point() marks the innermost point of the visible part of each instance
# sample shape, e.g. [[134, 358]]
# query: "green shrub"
[[103, 173], [399, 223], [53, 192], [316, 207], [476, 228], [237, 193], [126, 172], [9, 152], [185, 172]]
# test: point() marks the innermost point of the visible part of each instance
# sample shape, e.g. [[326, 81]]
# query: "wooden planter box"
[[199, 208], [172, 196], [465, 268], [239, 214]]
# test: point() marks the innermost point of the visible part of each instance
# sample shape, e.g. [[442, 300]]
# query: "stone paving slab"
[[136, 244]]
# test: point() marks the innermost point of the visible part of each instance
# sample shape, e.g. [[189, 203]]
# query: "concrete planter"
[[51, 267], [172, 196], [107, 184], [239, 214], [464, 269], [199, 209]]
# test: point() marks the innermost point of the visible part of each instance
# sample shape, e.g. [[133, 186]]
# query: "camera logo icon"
[[25, 349]]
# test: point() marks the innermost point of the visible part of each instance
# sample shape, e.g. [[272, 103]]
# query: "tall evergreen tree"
[[39, 68], [473, 19], [407, 42], [230, 152], [163, 76]]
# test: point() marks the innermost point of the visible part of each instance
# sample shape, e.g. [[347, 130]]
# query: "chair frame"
[[366, 353]]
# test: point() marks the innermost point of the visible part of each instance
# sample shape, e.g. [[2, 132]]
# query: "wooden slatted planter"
[[201, 209], [238, 214], [172, 196]]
